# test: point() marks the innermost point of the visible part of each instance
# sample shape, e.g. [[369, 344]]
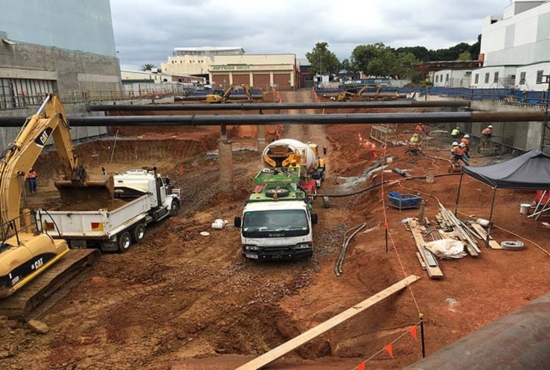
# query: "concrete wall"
[[8, 134], [83, 25], [519, 135], [73, 71]]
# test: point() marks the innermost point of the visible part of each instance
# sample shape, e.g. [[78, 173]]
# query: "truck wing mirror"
[[237, 222], [314, 219]]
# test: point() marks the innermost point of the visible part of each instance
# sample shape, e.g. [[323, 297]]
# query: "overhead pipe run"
[[278, 106], [289, 119]]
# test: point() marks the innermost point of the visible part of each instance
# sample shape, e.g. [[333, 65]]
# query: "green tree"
[[147, 67], [322, 60], [465, 55], [404, 66], [475, 48], [348, 67]]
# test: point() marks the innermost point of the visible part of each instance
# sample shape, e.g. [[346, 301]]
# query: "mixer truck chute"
[[277, 220]]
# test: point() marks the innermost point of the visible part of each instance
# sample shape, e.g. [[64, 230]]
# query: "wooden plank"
[[481, 231], [422, 264], [433, 271], [314, 332]]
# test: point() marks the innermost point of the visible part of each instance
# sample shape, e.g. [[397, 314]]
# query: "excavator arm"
[[227, 93], [21, 155], [247, 93]]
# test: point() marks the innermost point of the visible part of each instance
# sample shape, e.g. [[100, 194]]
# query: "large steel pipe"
[[270, 119], [519, 340], [278, 106]]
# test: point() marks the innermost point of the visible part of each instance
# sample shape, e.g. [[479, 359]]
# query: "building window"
[[18, 93], [477, 78], [495, 80], [486, 78], [539, 77], [436, 78], [447, 77], [522, 78]]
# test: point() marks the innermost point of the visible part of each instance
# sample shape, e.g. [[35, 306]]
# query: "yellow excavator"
[[348, 95], [220, 96], [25, 253]]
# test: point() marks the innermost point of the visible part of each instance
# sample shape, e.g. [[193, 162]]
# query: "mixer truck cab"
[[277, 230]]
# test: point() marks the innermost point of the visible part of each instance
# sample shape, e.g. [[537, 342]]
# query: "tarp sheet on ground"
[[530, 171]]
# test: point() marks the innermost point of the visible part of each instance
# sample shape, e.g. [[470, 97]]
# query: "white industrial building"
[[515, 48], [196, 61], [452, 78]]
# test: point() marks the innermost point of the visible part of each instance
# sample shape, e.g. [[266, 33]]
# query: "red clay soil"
[[180, 300]]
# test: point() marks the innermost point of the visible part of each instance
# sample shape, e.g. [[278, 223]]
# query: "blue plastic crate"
[[405, 201]]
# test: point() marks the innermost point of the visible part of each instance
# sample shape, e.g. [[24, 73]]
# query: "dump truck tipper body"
[[149, 199]]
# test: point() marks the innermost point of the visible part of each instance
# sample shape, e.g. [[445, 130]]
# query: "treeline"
[[381, 60]]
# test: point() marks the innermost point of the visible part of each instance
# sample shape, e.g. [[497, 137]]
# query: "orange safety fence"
[[388, 348]]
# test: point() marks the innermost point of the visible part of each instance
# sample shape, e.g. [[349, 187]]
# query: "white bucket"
[[483, 222], [524, 209]]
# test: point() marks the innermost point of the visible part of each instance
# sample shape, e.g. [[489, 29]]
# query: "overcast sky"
[[147, 31]]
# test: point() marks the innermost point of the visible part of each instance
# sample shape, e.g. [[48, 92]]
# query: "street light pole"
[[546, 78]]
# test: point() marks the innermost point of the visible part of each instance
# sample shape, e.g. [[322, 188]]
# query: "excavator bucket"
[[98, 191]]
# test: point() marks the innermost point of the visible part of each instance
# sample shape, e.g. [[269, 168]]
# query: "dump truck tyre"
[[175, 208], [138, 233], [124, 241]]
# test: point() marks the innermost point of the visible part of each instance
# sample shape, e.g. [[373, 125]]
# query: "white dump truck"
[[149, 198], [277, 220]]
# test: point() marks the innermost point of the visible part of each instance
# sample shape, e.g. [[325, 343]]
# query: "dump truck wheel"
[[175, 208], [138, 233], [124, 241]]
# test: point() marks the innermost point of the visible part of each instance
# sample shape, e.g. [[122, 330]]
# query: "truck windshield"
[[284, 222]]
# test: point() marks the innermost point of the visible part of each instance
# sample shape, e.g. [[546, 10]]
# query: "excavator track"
[[23, 302]]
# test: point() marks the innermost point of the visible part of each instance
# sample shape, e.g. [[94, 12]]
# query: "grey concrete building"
[[61, 46]]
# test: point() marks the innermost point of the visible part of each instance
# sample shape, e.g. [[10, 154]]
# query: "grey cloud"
[[147, 32]]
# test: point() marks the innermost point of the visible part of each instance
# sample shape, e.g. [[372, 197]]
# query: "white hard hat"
[[455, 143], [466, 136], [490, 126], [462, 145]]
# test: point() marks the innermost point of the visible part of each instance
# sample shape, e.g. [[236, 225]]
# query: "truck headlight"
[[303, 246], [251, 248]]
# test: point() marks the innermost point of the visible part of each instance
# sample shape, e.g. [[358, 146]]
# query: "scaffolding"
[[385, 134]]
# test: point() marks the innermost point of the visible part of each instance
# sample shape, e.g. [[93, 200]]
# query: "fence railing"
[[510, 95]]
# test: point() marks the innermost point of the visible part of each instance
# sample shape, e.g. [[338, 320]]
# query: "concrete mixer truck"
[[277, 220]]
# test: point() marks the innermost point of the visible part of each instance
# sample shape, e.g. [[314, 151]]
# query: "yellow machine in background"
[[24, 254], [348, 95], [220, 96]]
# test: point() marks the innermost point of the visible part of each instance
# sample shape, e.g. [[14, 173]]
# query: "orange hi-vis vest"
[[459, 151], [465, 141]]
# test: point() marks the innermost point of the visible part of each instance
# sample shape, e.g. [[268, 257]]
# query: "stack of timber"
[[483, 236], [449, 222], [430, 261]]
